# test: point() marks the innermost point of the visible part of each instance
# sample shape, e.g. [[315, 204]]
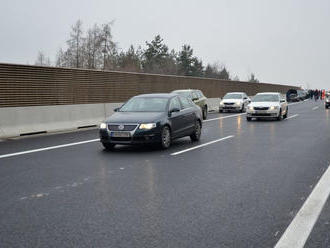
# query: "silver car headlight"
[[103, 125], [221, 104], [147, 126], [274, 107], [250, 108]]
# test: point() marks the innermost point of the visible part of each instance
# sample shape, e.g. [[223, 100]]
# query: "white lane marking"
[[47, 148], [224, 117], [315, 108], [292, 116], [300, 228], [306, 100], [202, 145]]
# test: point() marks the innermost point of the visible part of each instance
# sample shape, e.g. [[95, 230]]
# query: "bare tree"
[[109, 48], [42, 59], [253, 79], [92, 48], [75, 45]]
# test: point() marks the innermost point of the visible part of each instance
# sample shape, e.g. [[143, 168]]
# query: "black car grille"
[[121, 138], [116, 127], [229, 103], [261, 108]]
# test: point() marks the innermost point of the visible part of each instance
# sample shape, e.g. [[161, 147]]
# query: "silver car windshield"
[[184, 93], [266, 98], [233, 96], [145, 104]]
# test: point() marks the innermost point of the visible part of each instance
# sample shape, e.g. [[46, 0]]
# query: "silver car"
[[267, 105], [234, 101]]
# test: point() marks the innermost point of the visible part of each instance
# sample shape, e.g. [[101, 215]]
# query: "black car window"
[[175, 103], [145, 104], [186, 103]]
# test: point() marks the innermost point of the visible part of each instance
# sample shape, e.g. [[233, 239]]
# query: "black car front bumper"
[[138, 137]]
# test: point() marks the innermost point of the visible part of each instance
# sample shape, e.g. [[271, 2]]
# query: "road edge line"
[[303, 223], [47, 148]]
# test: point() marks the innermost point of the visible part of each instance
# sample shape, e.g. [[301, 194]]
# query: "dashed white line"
[[47, 148], [300, 228], [202, 145], [224, 117], [315, 108], [292, 116]]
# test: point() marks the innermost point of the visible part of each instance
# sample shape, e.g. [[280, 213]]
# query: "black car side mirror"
[[173, 110], [195, 99], [116, 109]]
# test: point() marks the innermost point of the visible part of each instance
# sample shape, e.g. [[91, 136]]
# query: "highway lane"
[[239, 192]]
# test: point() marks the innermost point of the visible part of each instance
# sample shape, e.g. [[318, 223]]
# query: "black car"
[[152, 118], [292, 96]]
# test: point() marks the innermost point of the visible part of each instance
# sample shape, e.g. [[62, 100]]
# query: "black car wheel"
[[108, 146], [248, 118], [196, 135], [220, 110], [204, 112], [166, 137]]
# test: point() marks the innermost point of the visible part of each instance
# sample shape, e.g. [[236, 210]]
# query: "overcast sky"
[[281, 41]]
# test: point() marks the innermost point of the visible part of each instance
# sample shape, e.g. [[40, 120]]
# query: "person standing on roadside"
[[316, 95]]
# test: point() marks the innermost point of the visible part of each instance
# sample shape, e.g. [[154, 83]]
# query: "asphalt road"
[[243, 191]]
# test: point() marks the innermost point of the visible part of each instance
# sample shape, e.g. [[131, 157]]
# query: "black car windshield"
[[233, 96], [145, 104], [266, 98]]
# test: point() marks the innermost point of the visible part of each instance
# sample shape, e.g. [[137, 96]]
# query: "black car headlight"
[[103, 126], [147, 126]]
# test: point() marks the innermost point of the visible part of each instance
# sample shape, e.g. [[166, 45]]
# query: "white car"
[[327, 100], [236, 101], [267, 105]]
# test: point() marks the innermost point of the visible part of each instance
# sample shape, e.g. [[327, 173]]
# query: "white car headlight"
[[250, 108], [274, 107], [147, 126], [103, 126]]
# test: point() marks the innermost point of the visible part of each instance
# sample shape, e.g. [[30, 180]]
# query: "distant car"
[[197, 97], [327, 100], [234, 101], [152, 118], [292, 96], [267, 105], [302, 94]]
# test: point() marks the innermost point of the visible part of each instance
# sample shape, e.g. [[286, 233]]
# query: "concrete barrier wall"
[[16, 121]]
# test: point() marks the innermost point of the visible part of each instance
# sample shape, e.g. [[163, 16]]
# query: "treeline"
[[96, 49]]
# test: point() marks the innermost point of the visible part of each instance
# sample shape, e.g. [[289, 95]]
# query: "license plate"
[[120, 134]]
